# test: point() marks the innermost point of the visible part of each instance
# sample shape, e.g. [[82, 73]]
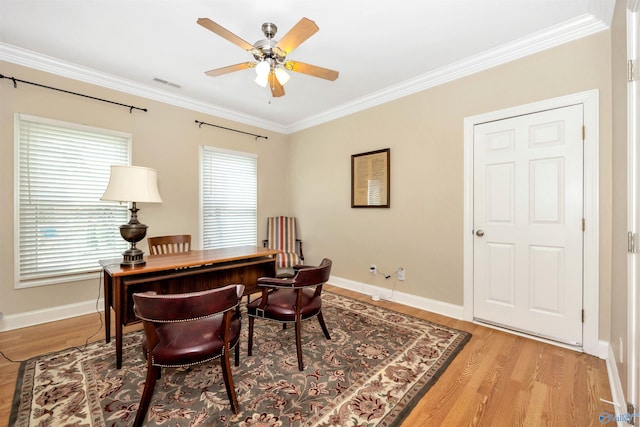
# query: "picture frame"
[[370, 179]]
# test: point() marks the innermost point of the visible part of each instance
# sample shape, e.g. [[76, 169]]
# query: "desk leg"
[[119, 319], [108, 301], [118, 345]]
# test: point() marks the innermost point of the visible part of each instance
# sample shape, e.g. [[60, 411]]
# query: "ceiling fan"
[[271, 55]]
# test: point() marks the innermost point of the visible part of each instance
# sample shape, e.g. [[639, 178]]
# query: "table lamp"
[[132, 184]]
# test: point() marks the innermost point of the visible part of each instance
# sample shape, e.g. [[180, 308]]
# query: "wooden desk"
[[176, 273]]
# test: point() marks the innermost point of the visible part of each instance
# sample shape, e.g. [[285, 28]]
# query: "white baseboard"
[[433, 306], [617, 393], [36, 317]]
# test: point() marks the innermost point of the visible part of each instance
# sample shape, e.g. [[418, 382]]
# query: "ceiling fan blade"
[[312, 70], [300, 32], [276, 88], [230, 69], [224, 33]]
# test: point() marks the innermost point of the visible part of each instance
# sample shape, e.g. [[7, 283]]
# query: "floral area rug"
[[376, 366]]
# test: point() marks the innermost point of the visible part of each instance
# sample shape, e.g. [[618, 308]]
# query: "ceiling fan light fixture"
[[282, 76], [262, 69], [262, 80]]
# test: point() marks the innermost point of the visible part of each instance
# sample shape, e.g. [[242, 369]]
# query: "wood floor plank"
[[497, 379]]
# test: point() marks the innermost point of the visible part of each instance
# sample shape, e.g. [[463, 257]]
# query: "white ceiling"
[[383, 50]]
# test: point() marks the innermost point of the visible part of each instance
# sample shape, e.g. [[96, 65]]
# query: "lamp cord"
[[86, 343]]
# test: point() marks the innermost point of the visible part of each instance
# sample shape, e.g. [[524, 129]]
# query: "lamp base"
[[133, 232], [132, 257]]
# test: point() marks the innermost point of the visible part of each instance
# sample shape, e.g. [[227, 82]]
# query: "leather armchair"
[[188, 329], [291, 300]]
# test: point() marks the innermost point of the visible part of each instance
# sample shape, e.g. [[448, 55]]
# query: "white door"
[[528, 223]]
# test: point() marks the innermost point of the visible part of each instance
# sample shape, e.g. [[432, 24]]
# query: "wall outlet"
[[401, 273], [373, 269]]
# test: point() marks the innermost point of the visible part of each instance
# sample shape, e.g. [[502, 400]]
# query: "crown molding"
[[55, 66], [568, 31]]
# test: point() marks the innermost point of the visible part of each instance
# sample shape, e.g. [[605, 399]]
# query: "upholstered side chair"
[[282, 236]]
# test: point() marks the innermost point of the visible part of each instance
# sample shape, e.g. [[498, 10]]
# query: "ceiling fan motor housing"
[[266, 49]]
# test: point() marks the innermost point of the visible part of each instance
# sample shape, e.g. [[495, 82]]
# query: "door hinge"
[[583, 133], [584, 225], [632, 73], [631, 242], [583, 315], [631, 411]]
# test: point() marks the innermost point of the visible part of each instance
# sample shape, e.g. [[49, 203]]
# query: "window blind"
[[229, 198], [63, 226]]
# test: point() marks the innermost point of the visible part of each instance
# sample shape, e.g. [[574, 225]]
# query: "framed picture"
[[370, 182]]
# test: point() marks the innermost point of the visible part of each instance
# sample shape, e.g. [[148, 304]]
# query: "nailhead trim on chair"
[[191, 319], [184, 365]]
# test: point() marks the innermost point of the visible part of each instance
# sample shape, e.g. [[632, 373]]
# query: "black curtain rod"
[[15, 85], [233, 130]]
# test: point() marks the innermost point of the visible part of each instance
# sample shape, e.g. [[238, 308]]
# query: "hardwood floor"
[[498, 379]]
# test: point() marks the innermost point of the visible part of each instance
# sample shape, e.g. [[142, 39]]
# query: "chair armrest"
[[273, 282], [302, 267]]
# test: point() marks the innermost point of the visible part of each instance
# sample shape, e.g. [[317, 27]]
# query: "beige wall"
[[422, 231], [165, 138]]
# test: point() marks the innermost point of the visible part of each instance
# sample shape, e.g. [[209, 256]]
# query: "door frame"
[[633, 207], [591, 250]]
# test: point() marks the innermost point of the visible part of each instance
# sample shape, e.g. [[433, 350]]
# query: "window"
[[229, 198], [62, 226]]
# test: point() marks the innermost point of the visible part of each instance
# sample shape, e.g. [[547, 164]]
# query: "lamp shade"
[[132, 184]]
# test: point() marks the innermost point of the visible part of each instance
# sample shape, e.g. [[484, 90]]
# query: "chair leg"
[[153, 373], [237, 351], [323, 326], [250, 346], [228, 382], [299, 343]]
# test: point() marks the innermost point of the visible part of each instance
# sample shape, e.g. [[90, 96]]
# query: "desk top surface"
[[186, 259]]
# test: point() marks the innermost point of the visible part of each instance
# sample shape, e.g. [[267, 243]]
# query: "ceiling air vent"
[[168, 83]]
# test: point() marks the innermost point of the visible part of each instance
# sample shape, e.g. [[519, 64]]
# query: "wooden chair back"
[[162, 245]]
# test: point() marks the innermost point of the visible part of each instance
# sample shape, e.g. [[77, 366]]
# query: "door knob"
[[479, 233]]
